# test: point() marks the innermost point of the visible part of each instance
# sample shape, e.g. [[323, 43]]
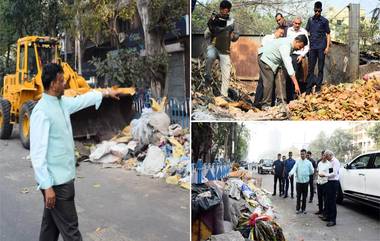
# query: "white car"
[[359, 180]]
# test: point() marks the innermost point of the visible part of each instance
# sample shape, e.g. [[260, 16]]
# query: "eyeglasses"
[[317, 10]]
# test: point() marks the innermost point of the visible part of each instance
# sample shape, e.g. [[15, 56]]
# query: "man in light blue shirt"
[[302, 169], [52, 152], [271, 57]]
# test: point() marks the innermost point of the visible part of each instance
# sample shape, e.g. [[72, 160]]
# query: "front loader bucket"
[[102, 124]]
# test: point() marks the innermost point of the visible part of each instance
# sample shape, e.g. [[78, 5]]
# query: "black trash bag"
[[203, 198]]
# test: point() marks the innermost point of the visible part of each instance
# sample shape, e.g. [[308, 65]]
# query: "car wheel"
[[339, 195]]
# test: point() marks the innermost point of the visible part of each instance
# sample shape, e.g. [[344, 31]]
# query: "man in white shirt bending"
[[278, 33]]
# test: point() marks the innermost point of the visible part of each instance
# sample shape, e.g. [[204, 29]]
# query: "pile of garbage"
[[207, 104], [353, 101], [149, 145], [220, 208]]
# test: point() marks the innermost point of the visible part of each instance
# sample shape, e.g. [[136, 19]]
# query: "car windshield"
[[267, 162]]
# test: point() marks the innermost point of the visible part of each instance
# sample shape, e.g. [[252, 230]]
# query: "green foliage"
[[164, 14], [242, 143], [125, 67], [340, 142], [374, 133]]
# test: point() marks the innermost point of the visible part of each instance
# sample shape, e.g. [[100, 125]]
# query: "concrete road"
[[112, 204], [354, 221]]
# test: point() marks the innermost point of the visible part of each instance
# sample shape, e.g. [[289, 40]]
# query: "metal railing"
[[179, 112], [211, 171]]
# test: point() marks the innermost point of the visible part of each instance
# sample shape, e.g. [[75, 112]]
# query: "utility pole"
[[353, 40]]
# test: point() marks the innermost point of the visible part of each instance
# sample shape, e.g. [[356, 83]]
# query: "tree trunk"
[[154, 46]]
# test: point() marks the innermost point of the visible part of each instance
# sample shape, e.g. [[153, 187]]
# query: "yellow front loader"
[[24, 88]]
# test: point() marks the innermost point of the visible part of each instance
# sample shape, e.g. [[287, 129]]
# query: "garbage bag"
[[204, 198], [160, 121], [153, 162], [101, 150], [178, 149], [141, 131], [119, 150]]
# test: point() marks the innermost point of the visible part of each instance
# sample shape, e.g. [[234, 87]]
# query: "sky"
[[270, 135]]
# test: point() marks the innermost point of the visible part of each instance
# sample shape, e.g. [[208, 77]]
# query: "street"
[[354, 221], [112, 204]]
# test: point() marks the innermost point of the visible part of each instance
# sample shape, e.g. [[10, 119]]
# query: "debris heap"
[[149, 145], [353, 101], [220, 208]]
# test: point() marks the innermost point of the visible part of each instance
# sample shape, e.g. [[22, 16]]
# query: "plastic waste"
[[153, 162]]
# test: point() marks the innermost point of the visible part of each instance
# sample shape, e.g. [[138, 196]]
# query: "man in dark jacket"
[[288, 165], [221, 31], [278, 166], [311, 179]]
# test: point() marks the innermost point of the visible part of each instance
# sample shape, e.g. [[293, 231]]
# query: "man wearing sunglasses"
[[319, 31]]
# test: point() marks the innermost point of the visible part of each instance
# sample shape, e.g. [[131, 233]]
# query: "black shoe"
[[280, 194], [318, 213], [285, 196], [329, 224], [325, 219], [292, 197], [304, 212], [298, 211], [310, 201], [274, 194]]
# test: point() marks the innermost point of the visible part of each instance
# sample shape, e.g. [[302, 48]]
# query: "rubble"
[[353, 101], [237, 203], [150, 146]]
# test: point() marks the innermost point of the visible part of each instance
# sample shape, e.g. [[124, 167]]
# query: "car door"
[[354, 175], [372, 176]]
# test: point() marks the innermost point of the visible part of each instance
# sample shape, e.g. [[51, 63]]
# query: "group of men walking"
[[280, 58], [307, 172]]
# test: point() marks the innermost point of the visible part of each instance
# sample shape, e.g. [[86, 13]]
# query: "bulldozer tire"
[[5, 119], [24, 122]]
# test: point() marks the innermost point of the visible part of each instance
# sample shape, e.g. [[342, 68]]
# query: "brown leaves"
[[356, 101]]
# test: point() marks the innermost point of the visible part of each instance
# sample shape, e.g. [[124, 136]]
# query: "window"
[[376, 163], [361, 162], [32, 63]]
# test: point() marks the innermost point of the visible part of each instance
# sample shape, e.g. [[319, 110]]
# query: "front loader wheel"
[[24, 122], [5, 119]]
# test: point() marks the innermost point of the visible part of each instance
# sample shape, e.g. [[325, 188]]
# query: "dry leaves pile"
[[356, 101]]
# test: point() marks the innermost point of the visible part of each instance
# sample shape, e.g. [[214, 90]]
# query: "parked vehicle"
[[359, 180], [265, 166]]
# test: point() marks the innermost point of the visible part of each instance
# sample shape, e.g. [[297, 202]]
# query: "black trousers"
[[289, 83], [332, 188], [287, 185], [281, 182], [321, 189], [311, 183], [314, 55], [62, 219], [301, 189]]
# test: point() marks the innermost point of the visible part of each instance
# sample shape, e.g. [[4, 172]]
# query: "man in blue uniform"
[[278, 166], [319, 31], [288, 165]]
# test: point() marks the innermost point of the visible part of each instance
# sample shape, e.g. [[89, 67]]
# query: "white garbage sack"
[[101, 150], [160, 121], [153, 162], [141, 131], [120, 150]]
